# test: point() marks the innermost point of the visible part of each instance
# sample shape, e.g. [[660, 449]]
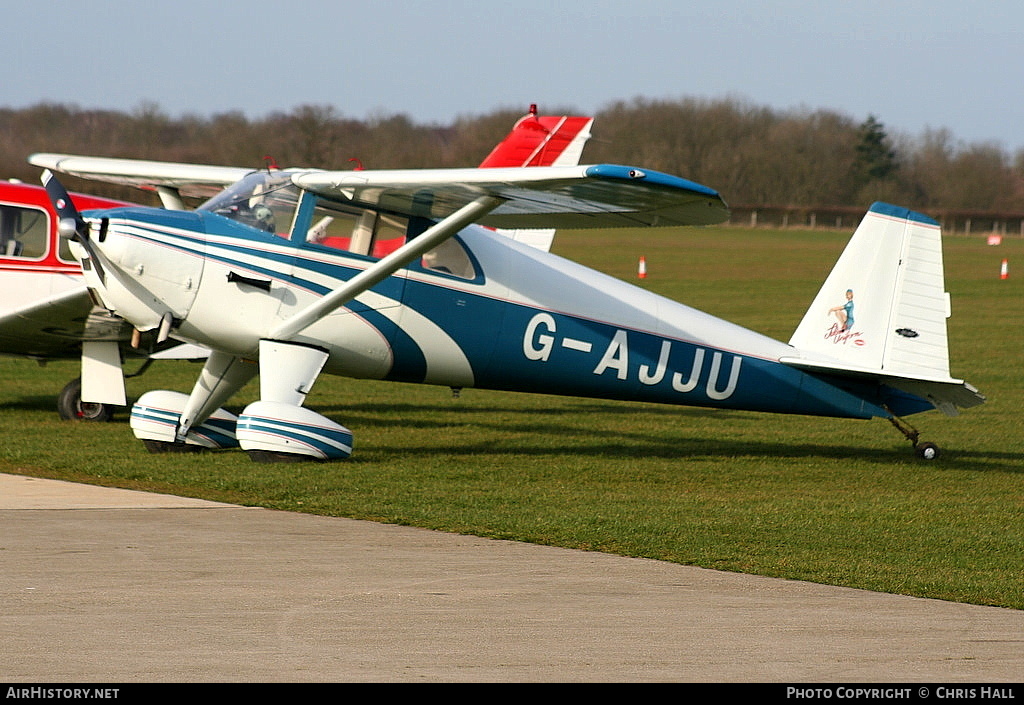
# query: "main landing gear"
[[924, 449], [277, 428]]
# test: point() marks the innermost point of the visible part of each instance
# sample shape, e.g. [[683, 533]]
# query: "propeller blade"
[[70, 223], [62, 203]]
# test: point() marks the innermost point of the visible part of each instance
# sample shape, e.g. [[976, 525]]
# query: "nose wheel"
[[925, 450], [71, 407]]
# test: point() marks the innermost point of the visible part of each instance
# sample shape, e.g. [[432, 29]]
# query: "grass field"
[[831, 501]]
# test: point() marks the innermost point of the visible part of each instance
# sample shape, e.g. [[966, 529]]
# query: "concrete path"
[[103, 585]]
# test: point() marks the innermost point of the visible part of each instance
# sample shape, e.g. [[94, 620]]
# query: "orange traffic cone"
[[642, 273], [1004, 270]]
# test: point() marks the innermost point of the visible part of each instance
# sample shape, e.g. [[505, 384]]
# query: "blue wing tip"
[[632, 173], [901, 212]]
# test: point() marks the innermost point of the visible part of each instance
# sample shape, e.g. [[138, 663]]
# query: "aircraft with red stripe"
[[542, 140]]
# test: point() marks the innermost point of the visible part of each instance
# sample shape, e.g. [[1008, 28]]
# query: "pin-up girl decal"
[[844, 313]]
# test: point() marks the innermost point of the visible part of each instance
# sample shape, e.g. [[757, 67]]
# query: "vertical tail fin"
[[540, 140], [884, 305], [882, 310]]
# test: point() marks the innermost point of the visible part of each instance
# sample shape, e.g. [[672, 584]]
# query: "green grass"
[[832, 501]]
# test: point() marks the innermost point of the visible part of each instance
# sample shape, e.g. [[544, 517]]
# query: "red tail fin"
[[545, 140]]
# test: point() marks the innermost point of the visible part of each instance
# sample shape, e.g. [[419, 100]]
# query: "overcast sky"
[[913, 64]]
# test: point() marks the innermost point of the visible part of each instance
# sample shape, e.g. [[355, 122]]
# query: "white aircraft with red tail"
[[47, 313], [256, 275]]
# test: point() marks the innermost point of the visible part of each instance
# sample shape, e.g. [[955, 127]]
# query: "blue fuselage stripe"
[[511, 345]]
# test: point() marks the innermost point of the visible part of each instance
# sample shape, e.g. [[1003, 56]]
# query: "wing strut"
[[417, 247]]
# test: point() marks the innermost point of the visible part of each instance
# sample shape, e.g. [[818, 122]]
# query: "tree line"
[[753, 155]]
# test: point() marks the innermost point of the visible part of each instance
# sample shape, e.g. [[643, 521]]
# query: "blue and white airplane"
[[283, 274]]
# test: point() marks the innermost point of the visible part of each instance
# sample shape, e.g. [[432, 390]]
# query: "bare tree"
[[752, 154]]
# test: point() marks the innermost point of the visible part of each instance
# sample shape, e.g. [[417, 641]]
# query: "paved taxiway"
[[104, 585]]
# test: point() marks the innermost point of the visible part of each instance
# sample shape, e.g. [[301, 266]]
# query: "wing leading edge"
[[190, 179]]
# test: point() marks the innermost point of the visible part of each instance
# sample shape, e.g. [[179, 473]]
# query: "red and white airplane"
[[47, 313]]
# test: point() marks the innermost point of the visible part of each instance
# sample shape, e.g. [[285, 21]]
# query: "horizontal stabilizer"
[[946, 395]]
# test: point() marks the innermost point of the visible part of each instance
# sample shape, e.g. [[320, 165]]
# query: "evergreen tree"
[[876, 158]]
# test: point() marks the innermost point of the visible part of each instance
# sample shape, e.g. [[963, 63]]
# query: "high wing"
[[170, 179], [593, 196], [568, 197], [603, 196]]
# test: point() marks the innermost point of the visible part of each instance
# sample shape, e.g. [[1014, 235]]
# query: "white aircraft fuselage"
[[507, 317]]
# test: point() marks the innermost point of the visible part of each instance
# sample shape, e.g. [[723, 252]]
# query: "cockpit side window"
[[269, 202], [450, 258], [362, 232], [376, 235], [24, 232]]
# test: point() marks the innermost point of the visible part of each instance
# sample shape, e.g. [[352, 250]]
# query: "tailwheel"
[[924, 449]]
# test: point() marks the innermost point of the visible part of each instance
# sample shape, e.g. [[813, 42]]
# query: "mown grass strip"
[[831, 501]]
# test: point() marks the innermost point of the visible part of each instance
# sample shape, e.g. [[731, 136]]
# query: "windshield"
[[264, 200]]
